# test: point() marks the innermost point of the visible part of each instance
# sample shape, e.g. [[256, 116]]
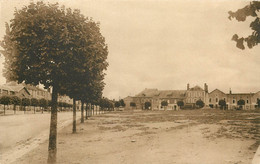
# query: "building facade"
[[29, 91], [189, 97]]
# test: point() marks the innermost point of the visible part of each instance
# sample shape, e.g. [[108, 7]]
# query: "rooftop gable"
[[216, 90]]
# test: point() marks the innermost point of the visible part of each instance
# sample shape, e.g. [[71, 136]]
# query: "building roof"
[[196, 88], [217, 90], [14, 87], [162, 93]]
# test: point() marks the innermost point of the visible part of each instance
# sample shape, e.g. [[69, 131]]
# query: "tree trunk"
[[74, 116], [24, 109], [53, 128], [82, 111], [14, 109], [34, 109], [4, 109], [86, 111], [90, 110], [42, 110]]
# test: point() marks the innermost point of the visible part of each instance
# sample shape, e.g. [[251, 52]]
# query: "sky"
[[166, 44]]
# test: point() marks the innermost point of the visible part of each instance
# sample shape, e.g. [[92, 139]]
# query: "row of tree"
[[120, 103], [24, 102], [59, 48]]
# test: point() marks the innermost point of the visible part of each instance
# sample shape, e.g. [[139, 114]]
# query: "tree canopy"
[[222, 103], [164, 103], [200, 103], [180, 103], [117, 104], [241, 102], [147, 105], [122, 103], [34, 102], [241, 14], [6, 100]]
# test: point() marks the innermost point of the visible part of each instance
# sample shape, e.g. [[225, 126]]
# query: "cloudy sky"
[[166, 44]]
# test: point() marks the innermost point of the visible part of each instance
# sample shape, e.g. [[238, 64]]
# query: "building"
[[29, 91], [231, 99], [189, 97]]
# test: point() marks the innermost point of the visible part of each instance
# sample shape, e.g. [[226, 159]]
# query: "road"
[[19, 131]]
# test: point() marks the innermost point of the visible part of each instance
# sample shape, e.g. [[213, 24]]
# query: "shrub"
[[147, 105], [164, 103], [222, 104], [200, 103], [180, 104]]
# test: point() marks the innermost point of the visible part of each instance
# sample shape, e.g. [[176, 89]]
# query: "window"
[[216, 99], [234, 101], [209, 99], [247, 101]]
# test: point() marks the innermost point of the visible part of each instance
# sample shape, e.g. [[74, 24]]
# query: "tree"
[[240, 103], [250, 10], [43, 103], [132, 104], [25, 102], [55, 47], [200, 103], [222, 104], [34, 103], [180, 104], [47, 45], [122, 103], [16, 101], [5, 100], [164, 104], [258, 102], [147, 105], [117, 104]]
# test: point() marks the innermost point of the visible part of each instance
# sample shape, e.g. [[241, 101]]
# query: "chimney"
[[206, 87], [188, 86], [230, 92]]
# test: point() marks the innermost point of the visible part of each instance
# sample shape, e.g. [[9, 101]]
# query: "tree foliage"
[[117, 104], [5, 100], [164, 103], [258, 103], [122, 103], [43, 103], [241, 102], [200, 103], [106, 103], [222, 103], [16, 100], [241, 14], [180, 103], [147, 105], [26, 102], [34, 102]]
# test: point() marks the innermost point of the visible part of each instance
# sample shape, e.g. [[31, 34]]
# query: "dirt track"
[[192, 136]]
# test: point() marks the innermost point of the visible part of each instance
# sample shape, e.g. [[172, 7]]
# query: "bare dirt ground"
[[204, 136]]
